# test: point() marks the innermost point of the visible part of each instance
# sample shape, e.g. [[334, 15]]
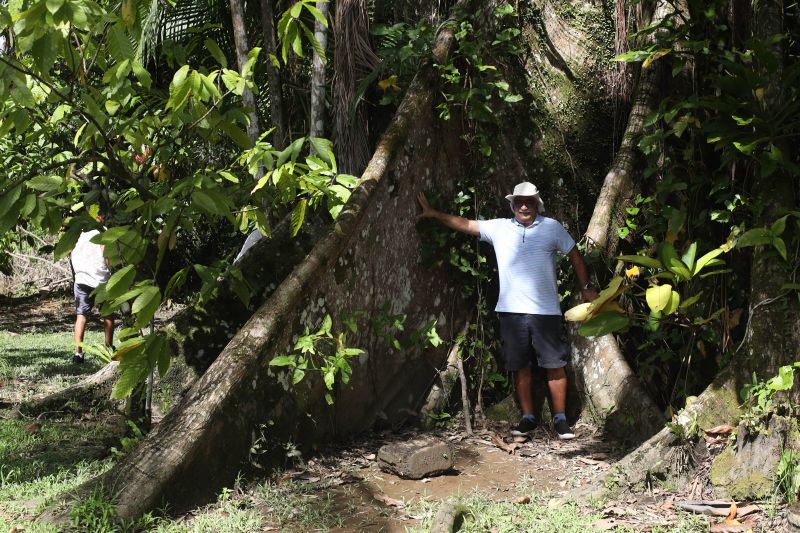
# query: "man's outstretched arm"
[[579, 266], [457, 223]]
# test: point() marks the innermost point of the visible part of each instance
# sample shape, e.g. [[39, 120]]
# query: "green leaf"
[[317, 14], [164, 356], [673, 304], [298, 215], [119, 44], [779, 226], [672, 262], [298, 375], [649, 262], [754, 237], [324, 149], [325, 329], [781, 247], [603, 324], [205, 202], [216, 52], [119, 282], [283, 360], [46, 183], [133, 367], [689, 255], [240, 286], [690, 301], [141, 74], [145, 305], [67, 241], [706, 260], [237, 134]]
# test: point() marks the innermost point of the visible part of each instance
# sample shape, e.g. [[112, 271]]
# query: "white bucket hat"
[[527, 188]]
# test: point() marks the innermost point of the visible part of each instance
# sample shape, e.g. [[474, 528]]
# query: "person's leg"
[[557, 384], [108, 328], [523, 382], [78, 331]]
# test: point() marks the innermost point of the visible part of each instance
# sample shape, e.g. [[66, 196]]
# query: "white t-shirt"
[[88, 261], [526, 263]]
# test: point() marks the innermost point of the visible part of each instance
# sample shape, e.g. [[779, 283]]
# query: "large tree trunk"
[[201, 443], [770, 341], [611, 387]]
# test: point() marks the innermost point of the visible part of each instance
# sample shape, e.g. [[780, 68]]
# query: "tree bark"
[[615, 393], [280, 137], [242, 48], [77, 398], [318, 76], [354, 61]]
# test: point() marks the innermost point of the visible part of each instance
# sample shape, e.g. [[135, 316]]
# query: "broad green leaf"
[[298, 375], [240, 286], [781, 247], [706, 260], [128, 13], [145, 305], [217, 52], [283, 360], [119, 44], [206, 203], [778, 226], [119, 282], [649, 262], [141, 74], [689, 255], [755, 237], [133, 369], [325, 329], [317, 14], [67, 241], [654, 320], [673, 304], [46, 183], [658, 297], [685, 304], [298, 215], [611, 291], [603, 324], [672, 262]]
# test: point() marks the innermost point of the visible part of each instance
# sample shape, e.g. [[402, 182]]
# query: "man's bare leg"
[[557, 383], [78, 331], [108, 327], [523, 382]]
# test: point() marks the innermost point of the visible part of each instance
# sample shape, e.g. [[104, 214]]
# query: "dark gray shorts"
[[83, 300], [522, 334]]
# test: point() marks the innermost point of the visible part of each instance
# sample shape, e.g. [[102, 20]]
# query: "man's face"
[[524, 208]]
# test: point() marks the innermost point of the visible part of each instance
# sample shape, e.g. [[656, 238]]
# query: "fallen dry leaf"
[[731, 514], [522, 499], [33, 428], [724, 429], [606, 524], [722, 527], [370, 457], [389, 501], [503, 446]]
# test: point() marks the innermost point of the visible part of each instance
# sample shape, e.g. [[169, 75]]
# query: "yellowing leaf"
[[389, 83], [658, 297], [579, 313], [655, 55], [632, 272]]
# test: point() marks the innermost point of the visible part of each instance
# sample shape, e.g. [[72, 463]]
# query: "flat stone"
[[416, 459]]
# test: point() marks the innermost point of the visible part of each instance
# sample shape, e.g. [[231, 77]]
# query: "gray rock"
[[417, 458]]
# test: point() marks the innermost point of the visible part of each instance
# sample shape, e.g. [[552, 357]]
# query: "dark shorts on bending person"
[[522, 334], [84, 301]]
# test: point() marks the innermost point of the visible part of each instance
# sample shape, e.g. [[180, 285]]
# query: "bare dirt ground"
[[41, 313]]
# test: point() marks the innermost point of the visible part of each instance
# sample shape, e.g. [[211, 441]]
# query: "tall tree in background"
[[242, 50], [354, 61], [318, 74], [280, 137]]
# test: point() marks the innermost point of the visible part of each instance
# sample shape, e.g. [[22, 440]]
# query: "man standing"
[[91, 269], [528, 305]]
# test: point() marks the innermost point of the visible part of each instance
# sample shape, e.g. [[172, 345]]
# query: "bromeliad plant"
[[665, 274]]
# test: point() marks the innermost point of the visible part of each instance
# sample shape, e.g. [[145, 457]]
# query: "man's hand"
[[589, 295], [426, 212]]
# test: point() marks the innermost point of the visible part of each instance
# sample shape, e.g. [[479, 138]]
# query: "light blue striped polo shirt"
[[526, 263]]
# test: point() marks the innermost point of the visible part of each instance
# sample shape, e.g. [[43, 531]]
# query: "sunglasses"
[[530, 202]]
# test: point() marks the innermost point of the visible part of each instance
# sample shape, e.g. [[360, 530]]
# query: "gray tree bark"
[[242, 48], [318, 76], [280, 137]]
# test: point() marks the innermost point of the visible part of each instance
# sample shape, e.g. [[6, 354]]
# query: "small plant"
[[321, 351], [95, 513], [758, 397], [128, 443], [787, 475]]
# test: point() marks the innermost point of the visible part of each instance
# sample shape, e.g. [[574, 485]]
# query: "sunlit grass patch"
[[40, 362]]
